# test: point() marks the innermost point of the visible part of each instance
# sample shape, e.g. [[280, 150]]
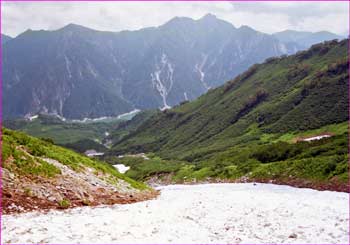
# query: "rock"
[[51, 199], [293, 235]]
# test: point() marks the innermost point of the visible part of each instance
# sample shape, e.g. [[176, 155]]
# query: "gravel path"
[[208, 213]]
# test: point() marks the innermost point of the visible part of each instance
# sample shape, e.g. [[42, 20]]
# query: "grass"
[[319, 161], [64, 203], [278, 100], [27, 160]]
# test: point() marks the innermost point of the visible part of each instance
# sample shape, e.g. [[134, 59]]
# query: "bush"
[[64, 203]]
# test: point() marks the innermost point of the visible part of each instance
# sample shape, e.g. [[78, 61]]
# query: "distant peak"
[[246, 28], [210, 19], [74, 27], [178, 20], [4, 35], [209, 16]]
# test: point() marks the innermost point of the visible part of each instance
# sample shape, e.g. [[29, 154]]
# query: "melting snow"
[[317, 137], [121, 168], [105, 118], [209, 213], [129, 113], [161, 76], [68, 66], [33, 117], [283, 48], [185, 95], [199, 69]]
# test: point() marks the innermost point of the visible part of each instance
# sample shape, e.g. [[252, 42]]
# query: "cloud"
[[115, 16]]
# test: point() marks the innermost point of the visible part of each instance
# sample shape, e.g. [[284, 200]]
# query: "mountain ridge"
[[77, 72], [278, 96]]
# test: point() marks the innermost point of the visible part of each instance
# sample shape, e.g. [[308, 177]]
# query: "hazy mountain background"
[[77, 72], [5, 38]]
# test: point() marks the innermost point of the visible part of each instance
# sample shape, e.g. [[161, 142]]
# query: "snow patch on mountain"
[[185, 95], [162, 79], [199, 69], [91, 69], [283, 48], [68, 63]]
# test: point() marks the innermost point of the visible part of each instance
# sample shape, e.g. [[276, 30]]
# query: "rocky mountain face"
[[76, 72]]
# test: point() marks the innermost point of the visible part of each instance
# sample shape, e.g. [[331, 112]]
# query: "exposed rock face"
[[68, 189], [79, 73]]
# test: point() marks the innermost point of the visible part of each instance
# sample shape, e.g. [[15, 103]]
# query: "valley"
[[192, 131]]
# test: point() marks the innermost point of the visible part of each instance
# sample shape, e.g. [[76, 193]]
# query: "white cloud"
[[115, 16]]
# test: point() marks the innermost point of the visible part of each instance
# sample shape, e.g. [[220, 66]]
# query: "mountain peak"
[[212, 20], [74, 27], [178, 20], [209, 16], [247, 29]]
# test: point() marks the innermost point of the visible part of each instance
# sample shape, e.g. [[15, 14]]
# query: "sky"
[[268, 17]]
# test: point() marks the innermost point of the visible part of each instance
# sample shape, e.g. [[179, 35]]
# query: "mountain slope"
[[5, 38], [39, 175], [283, 95], [77, 72], [305, 39]]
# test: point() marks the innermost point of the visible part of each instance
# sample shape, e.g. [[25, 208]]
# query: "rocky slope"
[[77, 72], [37, 175]]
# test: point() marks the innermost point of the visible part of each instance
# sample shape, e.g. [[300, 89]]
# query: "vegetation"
[[287, 95], [79, 136], [64, 203], [23, 154], [251, 125], [320, 161]]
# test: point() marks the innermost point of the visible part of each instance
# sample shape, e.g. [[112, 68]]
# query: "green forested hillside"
[[249, 128], [283, 95]]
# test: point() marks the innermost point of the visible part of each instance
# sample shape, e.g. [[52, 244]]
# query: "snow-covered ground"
[[121, 168], [208, 213]]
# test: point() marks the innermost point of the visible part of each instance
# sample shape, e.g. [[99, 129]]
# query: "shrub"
[[64, 203]]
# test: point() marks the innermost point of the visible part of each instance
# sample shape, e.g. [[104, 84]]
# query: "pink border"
[[154, 1], [0, 122], [174, 0]]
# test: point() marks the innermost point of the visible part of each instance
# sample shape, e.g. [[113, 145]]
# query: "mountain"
[[283, 95], [5, 38], [77, 72], [261, 126], [38, 175], [305, 39]]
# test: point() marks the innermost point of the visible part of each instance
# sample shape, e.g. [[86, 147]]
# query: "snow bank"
[[121, 168], [210, 213]]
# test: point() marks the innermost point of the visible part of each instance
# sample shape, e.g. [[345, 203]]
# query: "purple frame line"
[[0, 121], [174, 0], [156, 1], [349, 107]]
